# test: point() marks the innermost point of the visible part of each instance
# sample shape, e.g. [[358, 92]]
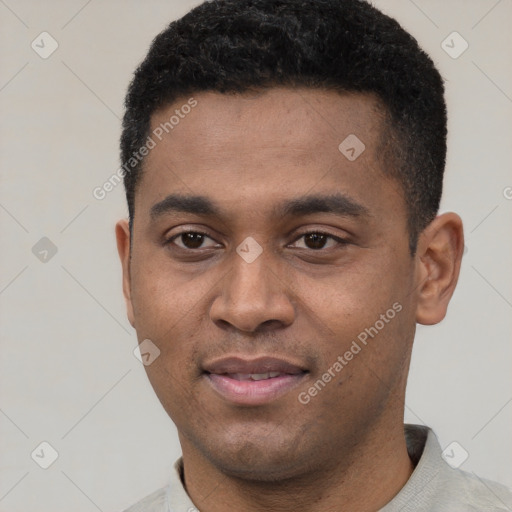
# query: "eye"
[[317, 240], [190, 240]]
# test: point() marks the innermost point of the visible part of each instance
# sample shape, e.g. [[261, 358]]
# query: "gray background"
[[67, 372]]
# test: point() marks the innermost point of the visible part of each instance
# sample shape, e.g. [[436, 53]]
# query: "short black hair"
[[237, 46]]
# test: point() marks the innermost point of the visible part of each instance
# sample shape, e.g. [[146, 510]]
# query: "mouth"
[[253, 382], [254, 376]]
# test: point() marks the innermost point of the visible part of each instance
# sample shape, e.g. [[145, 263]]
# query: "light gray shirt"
[[434, 486]]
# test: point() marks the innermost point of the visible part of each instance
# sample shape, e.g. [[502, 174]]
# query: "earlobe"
[[439, 257], [123, 248]]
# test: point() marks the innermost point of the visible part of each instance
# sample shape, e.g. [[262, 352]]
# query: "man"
[[283, 170]]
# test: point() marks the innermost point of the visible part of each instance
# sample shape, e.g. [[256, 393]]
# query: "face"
[[263, 254]]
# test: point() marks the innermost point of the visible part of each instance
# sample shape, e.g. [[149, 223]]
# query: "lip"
[[223, 376], [262, 364]]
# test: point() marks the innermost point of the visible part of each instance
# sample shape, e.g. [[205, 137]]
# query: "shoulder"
[[155, 502], [472, 493], [435, 485]]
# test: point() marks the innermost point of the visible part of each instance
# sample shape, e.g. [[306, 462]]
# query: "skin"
[[345, 449]]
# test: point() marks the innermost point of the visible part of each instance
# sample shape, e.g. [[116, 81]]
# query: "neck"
[[365, 479]]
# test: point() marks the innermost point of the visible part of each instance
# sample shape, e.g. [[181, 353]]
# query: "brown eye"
[[315, 240], [192, 240]]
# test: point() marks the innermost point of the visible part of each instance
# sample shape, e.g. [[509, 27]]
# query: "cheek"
[[363, 318], [174, 388], [350, 298], [166, 316], [162, 300]]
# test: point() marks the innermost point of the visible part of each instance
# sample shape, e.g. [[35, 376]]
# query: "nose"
[[253, 297]]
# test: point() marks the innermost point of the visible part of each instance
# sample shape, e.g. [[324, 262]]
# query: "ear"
[[439, 255], [123, 248]]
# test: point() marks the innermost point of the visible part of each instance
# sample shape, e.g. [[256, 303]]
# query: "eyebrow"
[[338, 204]]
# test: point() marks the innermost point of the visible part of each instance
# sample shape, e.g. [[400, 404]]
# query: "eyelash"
[[341, 241]]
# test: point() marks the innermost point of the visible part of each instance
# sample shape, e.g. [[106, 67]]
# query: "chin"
[[261, 471], [259, 459]]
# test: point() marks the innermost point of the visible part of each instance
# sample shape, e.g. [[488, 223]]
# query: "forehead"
[[306, 120], [260, 147]]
